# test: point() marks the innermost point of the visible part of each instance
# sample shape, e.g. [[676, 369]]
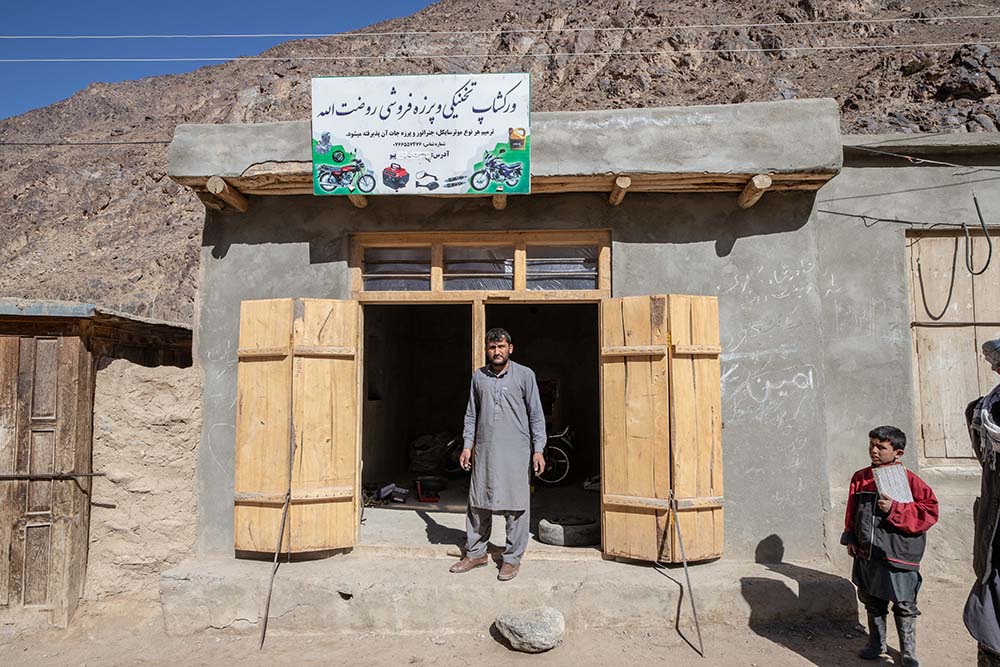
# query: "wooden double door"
[[46, 408], [298, 426]]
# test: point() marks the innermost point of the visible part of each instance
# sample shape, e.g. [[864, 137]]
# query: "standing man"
[[982, 610], [504, 439]]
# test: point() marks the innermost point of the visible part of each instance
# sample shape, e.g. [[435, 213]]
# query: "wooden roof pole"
[[499, 202], [218, 187], [359, 201], [618, 190], [754, 190]]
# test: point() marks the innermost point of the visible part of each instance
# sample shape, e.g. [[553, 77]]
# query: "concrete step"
[[383, 592]]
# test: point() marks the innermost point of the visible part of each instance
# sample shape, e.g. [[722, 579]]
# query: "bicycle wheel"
[[556, 466], [452, 451]]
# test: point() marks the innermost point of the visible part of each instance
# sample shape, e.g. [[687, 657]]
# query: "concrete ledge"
[[353, 593], [795, 136], [948, 143]]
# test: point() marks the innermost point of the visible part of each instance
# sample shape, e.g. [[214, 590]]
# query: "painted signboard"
[[440, 134]]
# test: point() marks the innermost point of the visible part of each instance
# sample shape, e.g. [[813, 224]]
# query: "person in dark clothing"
[[886, 537], [982, 609]]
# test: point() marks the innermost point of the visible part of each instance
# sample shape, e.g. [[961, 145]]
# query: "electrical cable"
[[968, 242], [394, 33], [418, 56], [920, 160]]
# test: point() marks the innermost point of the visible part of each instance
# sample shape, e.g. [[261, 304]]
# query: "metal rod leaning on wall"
[[42, 476], [687, 575], [288, 495]]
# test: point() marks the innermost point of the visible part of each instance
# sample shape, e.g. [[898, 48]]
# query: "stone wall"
[[147, 423]]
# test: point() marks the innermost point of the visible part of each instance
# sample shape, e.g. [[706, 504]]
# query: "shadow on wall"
[[325, 222], [821, 597], [699, 218]]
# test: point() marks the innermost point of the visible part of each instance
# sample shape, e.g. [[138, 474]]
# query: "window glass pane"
[[479, 268], [561, 267], [396, 269]]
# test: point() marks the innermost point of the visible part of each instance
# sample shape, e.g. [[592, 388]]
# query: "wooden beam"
[[221, 189], [210, 200], [499, 202], [296, 179], [359, 201], [618, 190], [754, 190]]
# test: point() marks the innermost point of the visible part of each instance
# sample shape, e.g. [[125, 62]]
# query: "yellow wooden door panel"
[[263, 413], [325, 399], [696, 424], [298, 381], [635, 449]]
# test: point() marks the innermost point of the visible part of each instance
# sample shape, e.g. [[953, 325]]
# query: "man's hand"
[[852, 550], [465, 460], [884, 503], [538, 463]]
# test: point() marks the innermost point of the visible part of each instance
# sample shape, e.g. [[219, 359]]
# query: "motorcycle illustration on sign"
[[350, 176], [426, 134], [495, 169]]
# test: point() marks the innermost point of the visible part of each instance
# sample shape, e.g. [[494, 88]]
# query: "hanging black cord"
[[968, 243]]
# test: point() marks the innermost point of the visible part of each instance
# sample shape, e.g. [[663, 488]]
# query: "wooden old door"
[[46, 407], [298, 390], [661, 427]]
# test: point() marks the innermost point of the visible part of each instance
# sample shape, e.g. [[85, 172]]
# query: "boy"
[[886, 537]]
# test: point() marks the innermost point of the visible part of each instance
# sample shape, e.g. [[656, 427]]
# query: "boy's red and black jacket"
[[899, 536]]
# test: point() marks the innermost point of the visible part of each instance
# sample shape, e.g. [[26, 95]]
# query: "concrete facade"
[[813, 303]]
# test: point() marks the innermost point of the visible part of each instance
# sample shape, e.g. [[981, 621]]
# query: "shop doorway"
[[416, 384], [302, 423]]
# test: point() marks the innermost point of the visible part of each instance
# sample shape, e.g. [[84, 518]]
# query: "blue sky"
[[27, 86]]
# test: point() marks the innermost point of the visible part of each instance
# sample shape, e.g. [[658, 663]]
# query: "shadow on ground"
[[800, 627]]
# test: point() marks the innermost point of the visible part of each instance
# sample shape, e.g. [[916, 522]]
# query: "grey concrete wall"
[[762, 263], [814, 317]]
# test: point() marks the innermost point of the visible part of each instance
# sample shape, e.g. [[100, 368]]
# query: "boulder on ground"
[[533, 631]]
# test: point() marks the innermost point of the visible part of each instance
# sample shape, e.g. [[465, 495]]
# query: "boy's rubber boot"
[[906, 628], [876, 638]]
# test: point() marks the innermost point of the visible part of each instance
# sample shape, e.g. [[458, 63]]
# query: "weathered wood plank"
[[634, 350], [614, 481], [9, 346], [62, 592], [947, 361], [263, 417], [696, 426], [25, 374], [660, 394], [325, 408], [639, 426]]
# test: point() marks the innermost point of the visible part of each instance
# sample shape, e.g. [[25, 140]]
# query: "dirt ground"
[[108, 640]]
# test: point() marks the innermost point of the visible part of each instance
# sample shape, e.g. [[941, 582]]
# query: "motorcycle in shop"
[[347, 176], [495, 169]]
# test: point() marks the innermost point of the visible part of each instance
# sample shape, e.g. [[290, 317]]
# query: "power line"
[[83, 143], [920, 160], [415, 56], [393, 33]]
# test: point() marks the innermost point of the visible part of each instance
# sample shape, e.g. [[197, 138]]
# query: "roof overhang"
[[788, 145]]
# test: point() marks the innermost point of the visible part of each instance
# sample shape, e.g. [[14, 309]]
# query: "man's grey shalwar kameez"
[[506, 423]]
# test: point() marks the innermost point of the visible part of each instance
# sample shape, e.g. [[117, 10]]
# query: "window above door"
[[463, 266]]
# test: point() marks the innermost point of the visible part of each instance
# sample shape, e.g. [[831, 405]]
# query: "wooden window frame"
[[520, 240]]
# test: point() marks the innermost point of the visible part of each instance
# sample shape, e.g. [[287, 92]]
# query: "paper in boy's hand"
[[891, 481]]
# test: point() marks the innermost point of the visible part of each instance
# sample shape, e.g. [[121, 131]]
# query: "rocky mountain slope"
[[90, 216]]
